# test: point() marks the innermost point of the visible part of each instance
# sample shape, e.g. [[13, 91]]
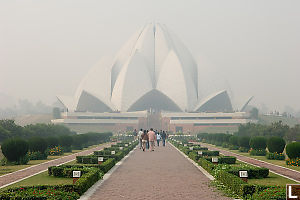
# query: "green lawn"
[[12, 168], [41, 179], [272, 179]]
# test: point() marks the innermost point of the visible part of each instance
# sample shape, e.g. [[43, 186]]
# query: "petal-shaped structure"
[[246, 104], [218, 102], [153, 69], [133, 82], [67, 102]]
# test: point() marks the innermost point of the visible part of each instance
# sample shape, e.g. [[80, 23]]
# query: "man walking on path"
[[158, 137], [140, 137], [152, 139], [163, 137]]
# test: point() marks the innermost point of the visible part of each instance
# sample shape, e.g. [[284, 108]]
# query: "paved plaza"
[[162, 174]]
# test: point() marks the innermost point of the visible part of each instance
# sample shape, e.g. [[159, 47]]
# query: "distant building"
[[152, 81]]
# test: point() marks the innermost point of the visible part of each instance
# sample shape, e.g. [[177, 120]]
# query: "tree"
[[4, 134], [37, 144], [275, 144], [14, 149], [258, 142]]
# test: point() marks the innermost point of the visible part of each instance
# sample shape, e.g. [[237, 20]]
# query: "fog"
[[46, 47]]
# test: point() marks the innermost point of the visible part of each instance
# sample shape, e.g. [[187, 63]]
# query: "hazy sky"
[[47, 46]]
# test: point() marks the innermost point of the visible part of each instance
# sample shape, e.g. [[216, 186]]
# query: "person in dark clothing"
[[164, 137]]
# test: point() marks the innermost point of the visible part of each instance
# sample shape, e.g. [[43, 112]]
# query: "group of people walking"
[[147, 138]]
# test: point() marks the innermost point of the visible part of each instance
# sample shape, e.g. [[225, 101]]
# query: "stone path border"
[[17, 176], [282, 171], [93, 189]]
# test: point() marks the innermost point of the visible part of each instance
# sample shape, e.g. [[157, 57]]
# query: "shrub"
[[38, 193], [55, 151], [257, 152], [232, 147], [66, 141], [15, 150], [210, 153], [37, 155], [293, 150], [243, 141], [208, 166], [37, 144], [258, 142], [293, 162], [244, 149], [276, 144], [277, 193], [52, 142], [227, 160], [233, 140], [275, 156], [235, 183], [253, 172]]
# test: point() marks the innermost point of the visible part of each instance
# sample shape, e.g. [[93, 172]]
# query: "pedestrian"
[[152, 138], [144, 137], [140, 137], [135, 133], [148, 144], [158, 137], [163, 137]]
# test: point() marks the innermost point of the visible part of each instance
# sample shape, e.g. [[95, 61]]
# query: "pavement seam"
[[106, 176], [209, 176]]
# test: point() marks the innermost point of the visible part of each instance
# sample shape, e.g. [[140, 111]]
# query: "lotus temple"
[[151, 82]]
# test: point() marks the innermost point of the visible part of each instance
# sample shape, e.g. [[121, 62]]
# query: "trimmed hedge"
[[210, 153], [275, 144], [258, 152], [253, 172], [258, 142], [293, 150]]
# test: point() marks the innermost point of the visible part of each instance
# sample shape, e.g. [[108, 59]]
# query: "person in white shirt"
[[158, 137], [140, 137]]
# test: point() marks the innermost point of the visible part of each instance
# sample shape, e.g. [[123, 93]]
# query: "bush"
[[15, 150], [276, 193], [243, 141], [66, 141], [52, 142], [232, 147], [253, 172], [37, 155], [257, 152], [293, 162], [293, 150], [227, 160], [276, 144], [56, 151], [244, 149], [210, 153], [208, 166], [37, 144], [39, 193], [235, 183], [233, 140], [275, 156], [258, 142]]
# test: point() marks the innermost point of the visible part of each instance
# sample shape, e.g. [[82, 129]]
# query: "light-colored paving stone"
[[162, 174]]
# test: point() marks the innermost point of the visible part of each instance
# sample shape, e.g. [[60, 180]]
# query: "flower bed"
[[275, 156], [293, 162], [56, 151]]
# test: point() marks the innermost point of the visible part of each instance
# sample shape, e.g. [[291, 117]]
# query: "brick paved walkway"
[[21, 174], [162, 174], [275, 168]]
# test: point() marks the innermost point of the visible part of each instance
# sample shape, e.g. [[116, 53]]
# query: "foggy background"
[[46, 47]]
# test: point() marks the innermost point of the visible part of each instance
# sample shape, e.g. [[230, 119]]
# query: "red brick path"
[[162, 174], [21, 174], [275, 168]]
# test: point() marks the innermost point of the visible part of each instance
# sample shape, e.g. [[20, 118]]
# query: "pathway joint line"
[[208, 175], [106, 176]]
